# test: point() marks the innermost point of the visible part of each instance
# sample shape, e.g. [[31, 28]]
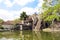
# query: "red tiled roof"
[[8, 23]]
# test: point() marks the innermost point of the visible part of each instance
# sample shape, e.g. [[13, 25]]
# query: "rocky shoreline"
[[51, 30]]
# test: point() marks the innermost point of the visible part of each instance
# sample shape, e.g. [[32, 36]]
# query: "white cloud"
[[39, 6], [8, 3], [8, 15], [40, 3], [23, 2], [29, 11], [11, 15], [1, 1], [18, 2]]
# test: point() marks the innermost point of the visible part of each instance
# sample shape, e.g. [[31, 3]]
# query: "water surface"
[[29, 35]]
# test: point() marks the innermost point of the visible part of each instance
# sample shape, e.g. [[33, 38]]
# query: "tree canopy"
[[51, 11], [23, 16], [50, 3]]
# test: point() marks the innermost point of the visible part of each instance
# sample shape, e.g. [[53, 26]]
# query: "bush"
[[1, 27]]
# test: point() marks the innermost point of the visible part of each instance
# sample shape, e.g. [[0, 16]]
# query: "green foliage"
[[23, 16], [47, 4], [1, 21], [52, 13], [17, 21], [47, 12], [50, 3], [1, 27]]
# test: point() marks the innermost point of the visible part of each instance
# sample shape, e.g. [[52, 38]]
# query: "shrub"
[[1, 27]]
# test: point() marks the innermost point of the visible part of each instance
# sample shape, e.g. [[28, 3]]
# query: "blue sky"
[[11, 9]]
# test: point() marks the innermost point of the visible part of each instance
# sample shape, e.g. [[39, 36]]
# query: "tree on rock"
[[23, 16]]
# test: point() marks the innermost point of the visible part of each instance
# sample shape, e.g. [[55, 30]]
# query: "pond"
[[29, 35]]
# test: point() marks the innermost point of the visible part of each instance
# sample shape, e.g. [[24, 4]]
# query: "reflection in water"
[[10, 35], [29, 35]]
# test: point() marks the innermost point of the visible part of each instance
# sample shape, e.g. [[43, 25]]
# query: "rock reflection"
[[36, 35], [28, 35]]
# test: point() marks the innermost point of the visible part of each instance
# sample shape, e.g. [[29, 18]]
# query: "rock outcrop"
[[36, 23], [55, 26]]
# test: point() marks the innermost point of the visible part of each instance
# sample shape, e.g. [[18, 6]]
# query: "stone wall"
[[8, 27]]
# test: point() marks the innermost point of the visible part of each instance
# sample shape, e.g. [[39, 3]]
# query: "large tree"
[[51, 11], [23, 16]]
